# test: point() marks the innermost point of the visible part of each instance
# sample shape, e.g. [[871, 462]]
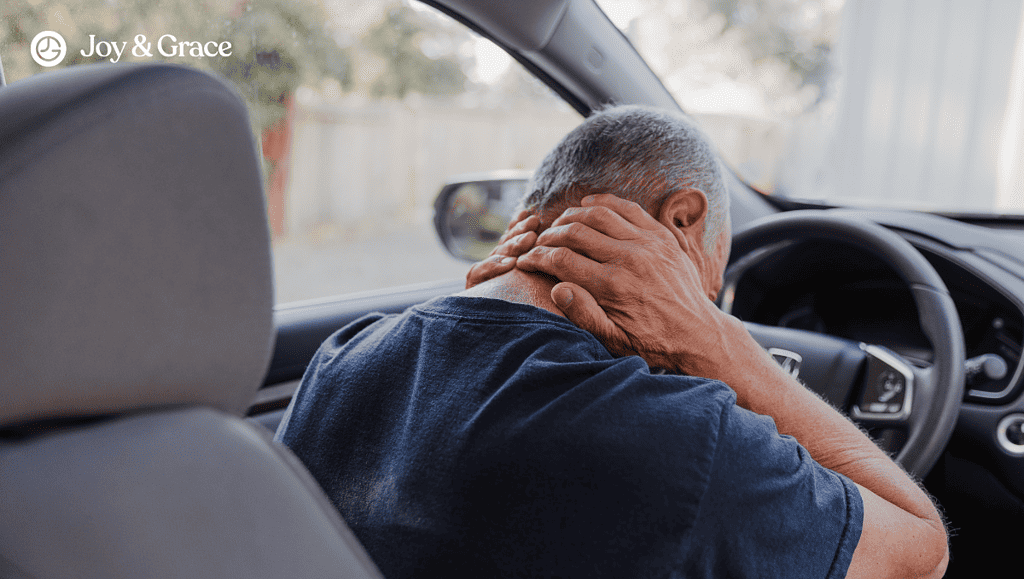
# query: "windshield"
[[847, 102]]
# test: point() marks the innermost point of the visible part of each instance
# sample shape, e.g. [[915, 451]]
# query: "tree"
[[797, 32], [780, 49], [398, 41], [276, 45]]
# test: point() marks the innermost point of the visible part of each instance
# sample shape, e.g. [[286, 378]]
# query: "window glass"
[[363, 110], [747, 70], [850, 102]]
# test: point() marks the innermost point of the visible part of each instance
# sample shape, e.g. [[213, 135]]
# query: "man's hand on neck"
[[497, 277], [517, 240]]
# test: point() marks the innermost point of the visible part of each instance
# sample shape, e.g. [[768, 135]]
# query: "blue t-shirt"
[[471, 437]]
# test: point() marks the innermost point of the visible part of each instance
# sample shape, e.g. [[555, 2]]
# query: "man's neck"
[[520, 287]]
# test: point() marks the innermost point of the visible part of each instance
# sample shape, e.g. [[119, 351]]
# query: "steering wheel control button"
[[1010, 433], [888, 393], [888, 386]]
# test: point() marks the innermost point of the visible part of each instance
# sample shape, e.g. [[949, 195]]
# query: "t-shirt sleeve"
[[770, 510]]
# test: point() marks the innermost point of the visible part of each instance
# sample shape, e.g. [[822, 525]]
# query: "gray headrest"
[[134, 252]]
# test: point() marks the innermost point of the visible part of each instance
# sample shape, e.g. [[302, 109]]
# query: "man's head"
[[656, 158]]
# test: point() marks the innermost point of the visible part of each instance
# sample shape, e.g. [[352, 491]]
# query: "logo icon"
[[790, 361], [48, 48]]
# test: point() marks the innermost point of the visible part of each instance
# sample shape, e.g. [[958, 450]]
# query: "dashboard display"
[[843, 291]]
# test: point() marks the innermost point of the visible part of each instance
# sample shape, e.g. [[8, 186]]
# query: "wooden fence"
[[386, 160]]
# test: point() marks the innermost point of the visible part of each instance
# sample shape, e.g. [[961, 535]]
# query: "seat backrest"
[[136, 304]]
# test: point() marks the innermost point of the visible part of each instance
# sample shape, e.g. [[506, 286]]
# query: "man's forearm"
[[830, 438]]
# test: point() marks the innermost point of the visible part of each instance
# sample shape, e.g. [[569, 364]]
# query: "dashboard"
[[845, 291]]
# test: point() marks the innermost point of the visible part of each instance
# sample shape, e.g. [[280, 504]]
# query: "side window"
[[428, 101], [363, 110]]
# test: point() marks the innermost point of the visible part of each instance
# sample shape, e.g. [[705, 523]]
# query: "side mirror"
[[472, 211]]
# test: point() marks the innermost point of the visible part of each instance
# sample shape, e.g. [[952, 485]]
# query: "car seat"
[[136, 305]]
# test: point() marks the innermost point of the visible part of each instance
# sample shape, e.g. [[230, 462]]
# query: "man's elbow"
[[896, 544], [936, 559], [927, 554], [940, 570]]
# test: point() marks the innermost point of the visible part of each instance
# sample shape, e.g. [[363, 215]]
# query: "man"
[[483, 434]]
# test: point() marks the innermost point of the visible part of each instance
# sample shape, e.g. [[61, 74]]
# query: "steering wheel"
[[874, 385]]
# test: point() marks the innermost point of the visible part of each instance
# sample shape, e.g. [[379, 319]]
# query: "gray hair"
[[642, 154]]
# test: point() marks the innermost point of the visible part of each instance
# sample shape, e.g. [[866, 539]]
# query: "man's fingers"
[[517, 240], [615, 217], [601, 219], [489, 268], [583, 240], [583, 310], [629, 210], [566, 265], [523, 222], [519, 244]]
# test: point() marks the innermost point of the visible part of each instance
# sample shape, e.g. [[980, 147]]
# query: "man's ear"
[[684, 212]]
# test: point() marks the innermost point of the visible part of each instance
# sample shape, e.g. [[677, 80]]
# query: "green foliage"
[[277, 45], [790, 31], [398, 40]]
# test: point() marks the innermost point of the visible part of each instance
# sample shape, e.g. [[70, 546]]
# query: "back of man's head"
[[638, 153]]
